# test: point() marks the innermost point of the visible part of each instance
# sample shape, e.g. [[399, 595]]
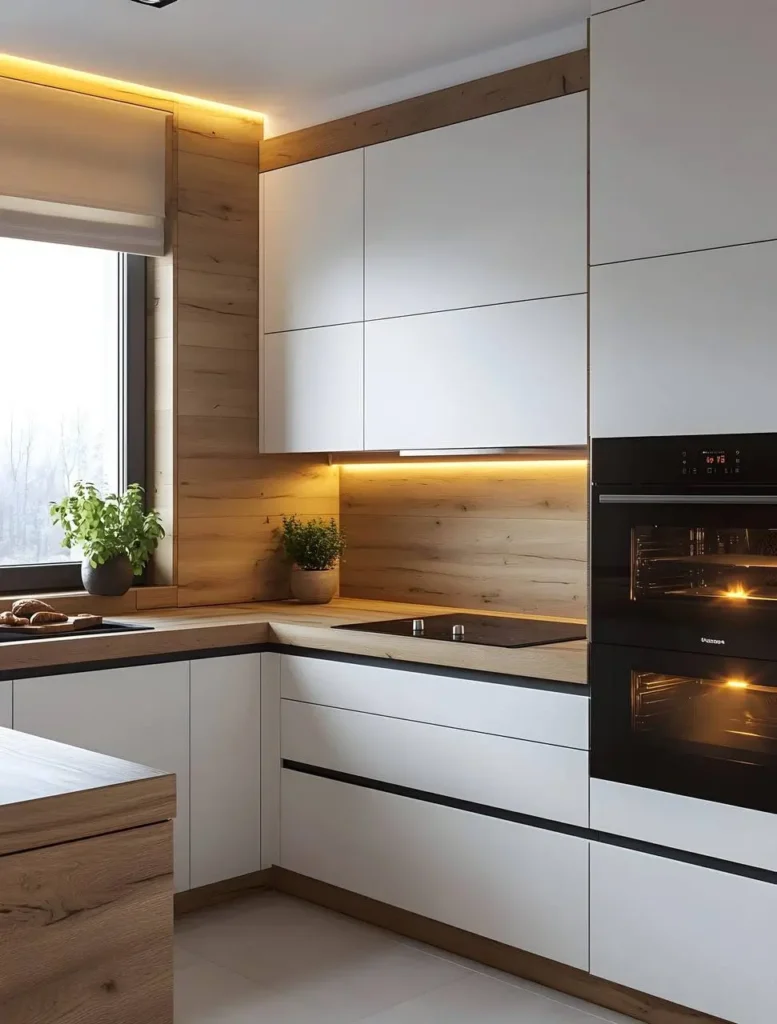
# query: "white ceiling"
[[297, 60]]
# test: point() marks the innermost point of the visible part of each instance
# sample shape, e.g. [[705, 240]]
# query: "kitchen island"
[[86, 891]]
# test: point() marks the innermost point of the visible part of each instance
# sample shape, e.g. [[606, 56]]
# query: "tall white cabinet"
[[139, 714], [429, 292], [683, 155]]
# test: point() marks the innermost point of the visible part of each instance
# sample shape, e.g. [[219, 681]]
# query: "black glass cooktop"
[[489, 630]]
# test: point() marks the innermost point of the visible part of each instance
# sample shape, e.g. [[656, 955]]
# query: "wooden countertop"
[[51, 793], [182, 630]]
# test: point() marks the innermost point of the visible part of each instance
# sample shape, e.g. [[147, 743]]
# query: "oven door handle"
[[688, 499]]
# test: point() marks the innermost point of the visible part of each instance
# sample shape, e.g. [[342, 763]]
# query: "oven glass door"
[[695, 572], [699, 726]]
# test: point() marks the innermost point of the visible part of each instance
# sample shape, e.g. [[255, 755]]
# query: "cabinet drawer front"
[[697, 937], [443, 367], [529, 778], [522, 712], [522, 886]]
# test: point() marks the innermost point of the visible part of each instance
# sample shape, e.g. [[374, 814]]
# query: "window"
[[72, 404]]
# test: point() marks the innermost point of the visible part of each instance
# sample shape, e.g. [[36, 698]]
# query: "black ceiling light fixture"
[[154, 3]]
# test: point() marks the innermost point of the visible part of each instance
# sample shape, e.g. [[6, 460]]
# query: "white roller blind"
[[81, 170]]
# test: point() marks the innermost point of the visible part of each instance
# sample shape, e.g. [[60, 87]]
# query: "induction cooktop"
[[488, 630]]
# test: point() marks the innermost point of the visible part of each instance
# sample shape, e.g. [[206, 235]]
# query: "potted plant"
[[314, 547], [116, 535]]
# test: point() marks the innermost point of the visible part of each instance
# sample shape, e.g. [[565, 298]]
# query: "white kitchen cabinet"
[[697, 937], [313, 385], [495, 771], [683, 155], [489, 210], [225, 768], [139, 714], [685, 344], [497, 376], [523, 886], [6, 704], [313, 251], [271, 758], [524, 712]]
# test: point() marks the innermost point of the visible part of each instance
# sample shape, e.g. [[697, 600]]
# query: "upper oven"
[[684, 544]]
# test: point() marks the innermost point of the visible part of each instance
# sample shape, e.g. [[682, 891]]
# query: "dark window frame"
[[132, 331]]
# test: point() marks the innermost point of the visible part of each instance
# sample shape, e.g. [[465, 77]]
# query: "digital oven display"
[[712, 463]]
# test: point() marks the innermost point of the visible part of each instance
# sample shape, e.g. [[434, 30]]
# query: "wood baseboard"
[[485, 951], [222, 892]]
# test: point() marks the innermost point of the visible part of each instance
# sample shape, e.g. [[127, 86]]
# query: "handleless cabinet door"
[[313, 252], [139, 714], [697, 937], [683, 146], [225, 768], [313, 390], [6, 704], [508, 375], [490, 210], [685, 344]]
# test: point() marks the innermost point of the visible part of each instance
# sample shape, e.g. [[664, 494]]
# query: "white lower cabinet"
[[6, 704], [697, 937], [496, 771], [140, 714], [225, 768], [523, 886]]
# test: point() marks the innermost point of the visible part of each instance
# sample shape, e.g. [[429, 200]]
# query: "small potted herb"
[[314, 547], [116, 535]]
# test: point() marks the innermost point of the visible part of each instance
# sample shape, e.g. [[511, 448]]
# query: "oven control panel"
[[711, 462]]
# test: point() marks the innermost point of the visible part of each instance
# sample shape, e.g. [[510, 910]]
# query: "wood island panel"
[[86, 931], [54, 793]]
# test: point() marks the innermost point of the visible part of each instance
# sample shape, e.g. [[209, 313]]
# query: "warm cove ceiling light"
[[154, 3]]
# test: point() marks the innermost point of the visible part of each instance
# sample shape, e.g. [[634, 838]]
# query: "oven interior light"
[[737, 592], [737, 684]]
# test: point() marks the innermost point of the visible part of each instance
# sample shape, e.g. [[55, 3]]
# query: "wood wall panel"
[[505, 535], [533, 83]]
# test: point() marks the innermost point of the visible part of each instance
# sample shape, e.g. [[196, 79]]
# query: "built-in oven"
[[683, 658], [697, 725], [684, 544]]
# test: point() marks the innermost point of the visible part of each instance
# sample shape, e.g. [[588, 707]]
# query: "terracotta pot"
[[110, 580], [313, 586]]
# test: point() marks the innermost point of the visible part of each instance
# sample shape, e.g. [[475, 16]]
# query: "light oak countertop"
[[52, 793], [193, 630]]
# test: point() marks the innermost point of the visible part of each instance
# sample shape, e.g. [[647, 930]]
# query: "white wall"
[[528, 51]]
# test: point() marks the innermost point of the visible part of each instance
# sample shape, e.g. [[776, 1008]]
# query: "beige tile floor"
[[271, 959]]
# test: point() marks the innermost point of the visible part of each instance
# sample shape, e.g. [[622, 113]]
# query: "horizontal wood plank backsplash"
[[510, 536]]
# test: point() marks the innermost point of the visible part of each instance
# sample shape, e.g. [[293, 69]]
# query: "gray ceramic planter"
[[110, 580]]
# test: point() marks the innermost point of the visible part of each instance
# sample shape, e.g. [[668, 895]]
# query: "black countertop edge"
[[499, 678]]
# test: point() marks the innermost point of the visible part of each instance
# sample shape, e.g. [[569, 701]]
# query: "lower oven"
[[695, 725], [684, 544]]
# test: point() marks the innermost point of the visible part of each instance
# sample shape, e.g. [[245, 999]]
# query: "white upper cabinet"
[[490, 210], [313, 252], [313, 390], [685, 344], [683, 146], [499, 376]]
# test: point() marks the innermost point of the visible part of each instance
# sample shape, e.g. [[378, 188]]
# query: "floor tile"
[[482, 999], [206, 994]]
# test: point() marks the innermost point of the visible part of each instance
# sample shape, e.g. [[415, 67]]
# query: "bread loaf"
[[28, 606], [9, 619], [46, 618]]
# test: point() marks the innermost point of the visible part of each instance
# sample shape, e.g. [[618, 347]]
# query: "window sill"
[[138, 599]]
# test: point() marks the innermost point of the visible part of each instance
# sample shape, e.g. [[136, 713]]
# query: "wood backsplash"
[[510, 536]]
